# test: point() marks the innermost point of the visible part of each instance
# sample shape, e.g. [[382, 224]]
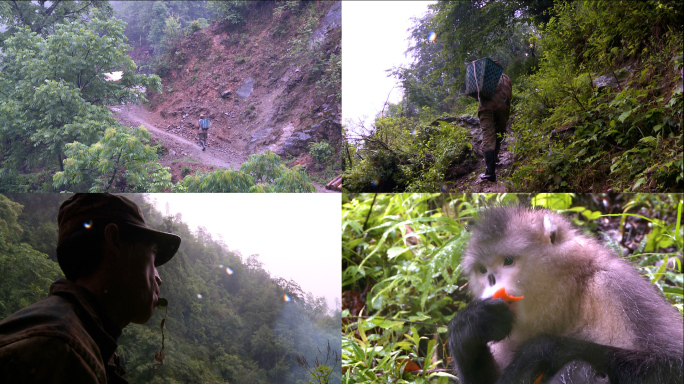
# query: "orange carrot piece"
[[501, 294], [538, 379]]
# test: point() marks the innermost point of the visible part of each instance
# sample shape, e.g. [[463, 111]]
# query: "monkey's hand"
[[582, 361], [470, 330]]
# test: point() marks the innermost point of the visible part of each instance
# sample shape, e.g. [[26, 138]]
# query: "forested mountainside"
[[221, 326], [597, 100], [100, 96]]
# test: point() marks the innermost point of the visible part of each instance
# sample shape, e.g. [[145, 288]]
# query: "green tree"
[[157, 24], [53, 90], [121, 161], [44, 17], [232, 11], [172, 32], [477, 28], [25, 274]]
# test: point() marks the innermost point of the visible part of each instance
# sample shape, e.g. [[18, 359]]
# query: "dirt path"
[[470, 181], [181, 151], [179, 147]]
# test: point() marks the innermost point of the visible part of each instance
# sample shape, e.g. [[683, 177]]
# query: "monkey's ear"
[[550, 229]]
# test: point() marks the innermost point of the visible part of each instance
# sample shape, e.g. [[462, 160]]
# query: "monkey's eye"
[[483, 270], [508, 261]]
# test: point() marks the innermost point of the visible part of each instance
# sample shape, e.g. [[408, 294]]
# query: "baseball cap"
[[83, 210]]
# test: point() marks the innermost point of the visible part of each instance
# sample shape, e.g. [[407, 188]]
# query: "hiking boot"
[[490, 163]]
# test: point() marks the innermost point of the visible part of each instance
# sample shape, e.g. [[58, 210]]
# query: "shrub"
[[321, 151]]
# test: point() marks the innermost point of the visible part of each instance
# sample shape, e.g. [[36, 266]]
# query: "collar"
[[91, 312]]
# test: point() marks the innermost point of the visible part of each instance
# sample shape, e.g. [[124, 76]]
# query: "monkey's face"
[[509, 249], [491, 274]]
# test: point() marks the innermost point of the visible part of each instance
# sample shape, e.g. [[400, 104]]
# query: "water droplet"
[[432, 36], [88, 224], [286, 298], [375, 182], [229, 271], [199, 295]]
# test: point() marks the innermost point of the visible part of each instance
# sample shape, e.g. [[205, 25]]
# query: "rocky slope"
[[271, 83]]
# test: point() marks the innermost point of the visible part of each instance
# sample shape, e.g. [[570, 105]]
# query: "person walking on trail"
[[203, 128], [493, 113], [109, 256]]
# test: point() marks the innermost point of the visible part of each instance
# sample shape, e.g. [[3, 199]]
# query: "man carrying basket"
[[494, 108]]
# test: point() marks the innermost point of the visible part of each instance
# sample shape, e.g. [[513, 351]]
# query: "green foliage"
[[121, 161], [172, 33], [403, 253], [321, 151], [221, 181], [196, 25], [25, 274], [631, 132], [232, 11], [409, 154], [185, 171], [425, 81], [53, 91], [137, 15], [474, 29], [158, 19], [270, 175], [44, 17], [260, 173]]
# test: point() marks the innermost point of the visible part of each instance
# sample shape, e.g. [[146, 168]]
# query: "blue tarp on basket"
[[482, 73], [204, 123]]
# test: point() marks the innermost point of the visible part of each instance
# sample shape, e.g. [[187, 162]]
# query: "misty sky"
[[297, 236], [374, 39]]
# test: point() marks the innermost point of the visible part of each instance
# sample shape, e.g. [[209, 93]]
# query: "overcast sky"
[[297, 236], [374, 39]]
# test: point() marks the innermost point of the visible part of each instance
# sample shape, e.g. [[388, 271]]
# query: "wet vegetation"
[[226, 319], [401, 271], [597, 98]]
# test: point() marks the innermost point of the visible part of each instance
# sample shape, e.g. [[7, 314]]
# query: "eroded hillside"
[[271, 83]]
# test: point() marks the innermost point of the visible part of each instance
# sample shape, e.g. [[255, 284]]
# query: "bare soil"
[[257, 94], [183, 155]]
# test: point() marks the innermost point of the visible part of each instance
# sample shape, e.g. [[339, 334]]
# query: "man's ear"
[[112, 236]]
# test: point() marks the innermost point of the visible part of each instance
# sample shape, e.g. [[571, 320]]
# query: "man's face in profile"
[[140, 281]]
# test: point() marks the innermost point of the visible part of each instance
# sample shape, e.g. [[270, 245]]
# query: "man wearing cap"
[[493, 114], [109, 256]]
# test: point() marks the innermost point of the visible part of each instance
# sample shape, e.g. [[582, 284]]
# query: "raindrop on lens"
[[432, 36], [88, 224]]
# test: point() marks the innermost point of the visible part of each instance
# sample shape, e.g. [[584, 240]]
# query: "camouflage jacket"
[[65, 338], [502, 97]]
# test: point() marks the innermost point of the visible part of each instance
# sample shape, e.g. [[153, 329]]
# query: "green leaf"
[[624, 116], [162, 303], [395, 251], [640, 181]]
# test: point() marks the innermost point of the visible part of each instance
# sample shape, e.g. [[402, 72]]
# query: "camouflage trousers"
[[493, 125]]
